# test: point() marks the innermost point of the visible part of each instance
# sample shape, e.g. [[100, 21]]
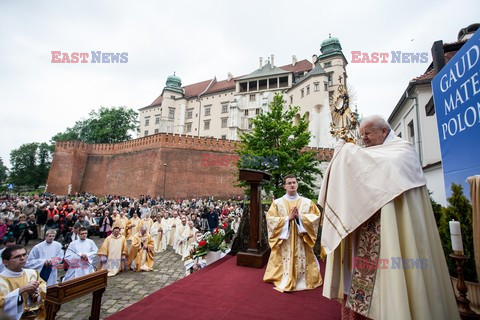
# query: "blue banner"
[[456, 93]]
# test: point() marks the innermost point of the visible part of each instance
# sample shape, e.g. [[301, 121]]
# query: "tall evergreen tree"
[[277, 145]]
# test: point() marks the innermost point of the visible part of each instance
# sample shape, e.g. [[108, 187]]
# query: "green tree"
[[30, 164], [276, 145], [107, 125], [460, 210], [3, 172]]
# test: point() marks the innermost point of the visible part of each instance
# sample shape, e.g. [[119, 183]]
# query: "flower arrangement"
[[212, 241]]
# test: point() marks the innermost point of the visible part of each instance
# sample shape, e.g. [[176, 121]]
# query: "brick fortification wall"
[[136, 167]]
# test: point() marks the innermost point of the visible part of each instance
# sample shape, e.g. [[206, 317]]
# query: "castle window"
[[171, 113], [224, 122], [252, 97], [207, 111], [147, 122], [316, 86], [189, 127], [206, 125], [225, 107]]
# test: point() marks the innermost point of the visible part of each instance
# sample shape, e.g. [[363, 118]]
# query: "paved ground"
[[126, 288]]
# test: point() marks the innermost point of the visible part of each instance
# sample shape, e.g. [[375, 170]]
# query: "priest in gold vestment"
[[292, 223], [384, 255], [141, 252], [113, 252], [22, 291], [122, 222]]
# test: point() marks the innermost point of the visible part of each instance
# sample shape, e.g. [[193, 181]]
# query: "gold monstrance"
[[344, 123]]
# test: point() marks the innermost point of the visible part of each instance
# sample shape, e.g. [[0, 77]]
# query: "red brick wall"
[[137, 167]]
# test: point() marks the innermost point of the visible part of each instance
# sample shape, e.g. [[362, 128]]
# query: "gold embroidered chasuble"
[[8, 298], [292, 265], [141, 252], [116, 252]]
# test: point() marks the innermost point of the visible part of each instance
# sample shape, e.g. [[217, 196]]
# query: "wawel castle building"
[[224, 109]]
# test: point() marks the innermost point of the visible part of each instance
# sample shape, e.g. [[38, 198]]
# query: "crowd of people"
[[144, 224]]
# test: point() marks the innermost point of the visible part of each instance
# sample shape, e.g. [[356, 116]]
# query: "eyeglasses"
[[20, 256]]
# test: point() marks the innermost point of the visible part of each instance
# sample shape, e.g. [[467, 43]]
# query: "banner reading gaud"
[[456, 92]]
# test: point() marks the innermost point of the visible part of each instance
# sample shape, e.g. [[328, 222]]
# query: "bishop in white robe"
[[384, 255]]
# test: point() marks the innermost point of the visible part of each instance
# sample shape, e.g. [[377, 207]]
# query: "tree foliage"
[[3, 172], [30, 164], [107, 125], [460, 210], [274, 136]]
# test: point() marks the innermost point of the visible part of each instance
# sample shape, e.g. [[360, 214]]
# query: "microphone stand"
[[68, 248]]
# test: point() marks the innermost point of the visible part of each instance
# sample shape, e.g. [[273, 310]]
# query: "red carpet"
[[226, 291]]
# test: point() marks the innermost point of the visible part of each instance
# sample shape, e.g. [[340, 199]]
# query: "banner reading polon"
[[456, 93]]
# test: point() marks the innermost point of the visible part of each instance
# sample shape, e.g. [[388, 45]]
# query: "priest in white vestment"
[[80, 256], [292, 224], [174, 222], [384, 255], [46, 256], [182, 236], [113, 252], [156, 231], [22, 291], [166, 228]]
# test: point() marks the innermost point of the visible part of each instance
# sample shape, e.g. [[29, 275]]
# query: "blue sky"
[[197, 40]]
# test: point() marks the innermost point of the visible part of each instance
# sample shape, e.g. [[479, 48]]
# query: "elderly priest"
[[384, 256]]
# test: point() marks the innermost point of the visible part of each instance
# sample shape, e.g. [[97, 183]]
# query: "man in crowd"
[[113, 252], [377, 214], [53, 223], [41, 218], [212, 218], [45, 257], [21, 290], [141, 252], [292, 224], [80, 256], [8, 243]]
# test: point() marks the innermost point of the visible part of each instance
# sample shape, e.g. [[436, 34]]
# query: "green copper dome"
[[332, 44], [174, 83]]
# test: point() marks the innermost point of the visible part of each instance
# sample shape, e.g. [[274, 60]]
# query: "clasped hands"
[[293, 214]]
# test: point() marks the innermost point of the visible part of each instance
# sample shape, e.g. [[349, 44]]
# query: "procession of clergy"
[[131, 245], [376, 207]]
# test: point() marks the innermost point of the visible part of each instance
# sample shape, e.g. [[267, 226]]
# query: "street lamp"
[[164, 180]]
